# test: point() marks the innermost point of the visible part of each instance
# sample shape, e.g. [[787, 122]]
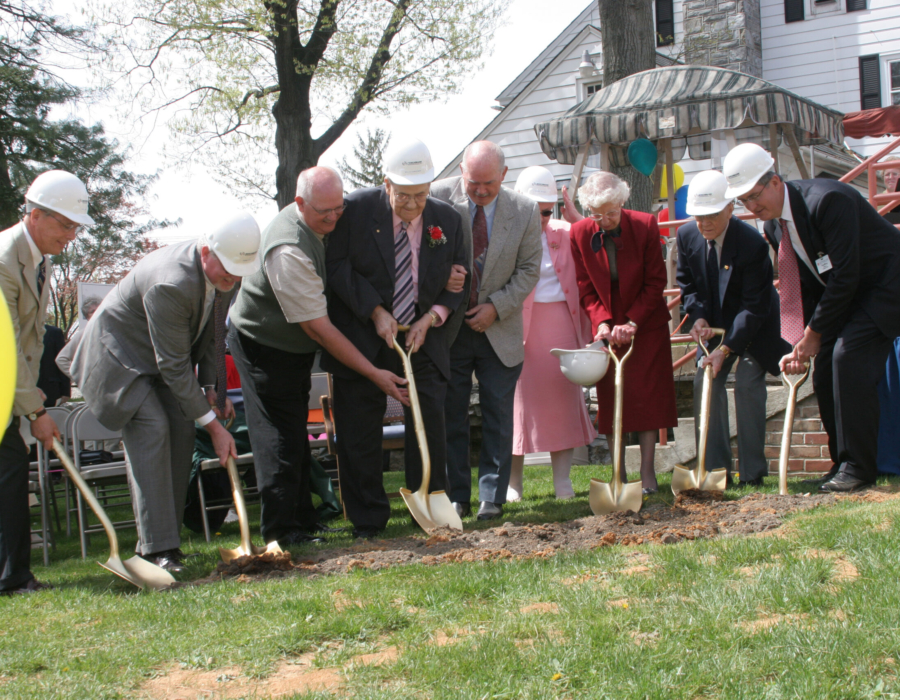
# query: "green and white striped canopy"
[[686, 104]]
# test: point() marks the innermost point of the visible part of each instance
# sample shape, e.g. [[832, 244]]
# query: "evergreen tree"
[[370, 157]]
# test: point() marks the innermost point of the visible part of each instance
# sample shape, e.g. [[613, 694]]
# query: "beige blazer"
[[18, 280], [511, 269]]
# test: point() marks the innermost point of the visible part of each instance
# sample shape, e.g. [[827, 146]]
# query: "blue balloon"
[[642, 155], [681, 203]]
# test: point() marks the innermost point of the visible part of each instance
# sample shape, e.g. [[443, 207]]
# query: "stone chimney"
[[723, 33]]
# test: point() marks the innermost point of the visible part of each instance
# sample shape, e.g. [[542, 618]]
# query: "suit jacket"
[[833, 219], [642, 273], [747, 297], [511, 267], [557, 233], [359, 264], [18, 281], [51, 380], [148, 329]]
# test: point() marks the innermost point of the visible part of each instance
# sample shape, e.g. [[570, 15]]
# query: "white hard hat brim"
[[701, 210], [733, 192], [239, 269], [82, 219], [420, 179]]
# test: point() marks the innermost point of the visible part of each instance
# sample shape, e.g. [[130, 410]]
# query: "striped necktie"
[[792, 326], [479, 252], [41, 276], [220, 311], [404, 303]]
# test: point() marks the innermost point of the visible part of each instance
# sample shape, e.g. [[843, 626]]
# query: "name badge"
[[823, 264]]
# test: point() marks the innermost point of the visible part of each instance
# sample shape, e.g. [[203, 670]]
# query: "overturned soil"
[[694, 515]]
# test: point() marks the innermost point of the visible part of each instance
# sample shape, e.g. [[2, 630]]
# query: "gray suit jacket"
[[145, 331], [511, 269]]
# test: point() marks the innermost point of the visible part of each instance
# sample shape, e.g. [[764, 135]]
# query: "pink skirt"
[[549, 414]]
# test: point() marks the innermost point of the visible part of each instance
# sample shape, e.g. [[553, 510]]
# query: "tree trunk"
[[9, 198], [629, 46]]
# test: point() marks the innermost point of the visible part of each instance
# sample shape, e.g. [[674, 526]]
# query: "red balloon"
[[664, 216]]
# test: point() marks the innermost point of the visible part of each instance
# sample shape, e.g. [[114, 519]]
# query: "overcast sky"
[[192, 195]]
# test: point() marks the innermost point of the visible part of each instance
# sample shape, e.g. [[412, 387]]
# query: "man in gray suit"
[[502, 235], [135, 367]]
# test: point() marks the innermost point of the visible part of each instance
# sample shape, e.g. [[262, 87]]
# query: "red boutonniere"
[[436, 236]]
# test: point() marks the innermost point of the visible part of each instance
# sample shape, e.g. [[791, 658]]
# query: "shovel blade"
[[432, 511], [684, 479], [604, 501], [716, 480], [140, 572], [229, 555], [271, 548]]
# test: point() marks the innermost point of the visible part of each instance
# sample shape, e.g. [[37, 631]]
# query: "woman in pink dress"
[[550, 414]]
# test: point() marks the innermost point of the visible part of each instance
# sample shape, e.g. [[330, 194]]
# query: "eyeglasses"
[[707, 218], [750, 199], [403, 197], [68, 228], [546, 212], [336, 211], [608, 215]]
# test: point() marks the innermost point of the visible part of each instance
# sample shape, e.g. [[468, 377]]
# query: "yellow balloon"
[[7, 363], [679, 181]]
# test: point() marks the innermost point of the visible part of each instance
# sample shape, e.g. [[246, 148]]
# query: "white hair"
[[603, 188], [481, 148]]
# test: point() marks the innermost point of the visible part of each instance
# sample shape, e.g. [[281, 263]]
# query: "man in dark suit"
[[840, 299], [52, 380], [389, 262], [725, 277]]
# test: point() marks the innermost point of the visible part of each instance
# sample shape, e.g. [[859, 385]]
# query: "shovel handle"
[[418, 424], [617, 420], [716, 331], [788, 430], [240, 507], [89, 497]]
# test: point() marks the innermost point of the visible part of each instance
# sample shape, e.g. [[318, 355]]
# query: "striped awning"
[[688, 104]]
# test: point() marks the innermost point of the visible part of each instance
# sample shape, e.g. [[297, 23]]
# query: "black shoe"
[[168, 559], [815, 483], [323, 529], [758, 481], [490, 511], [298, 537], [650, 490], [366, 533], [32, 585], [463, 509], [844, 483]]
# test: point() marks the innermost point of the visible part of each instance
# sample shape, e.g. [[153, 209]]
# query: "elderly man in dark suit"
[[56, 209], [725, 277], [135, 366], [502, 232], [839, 272], [389, 263]]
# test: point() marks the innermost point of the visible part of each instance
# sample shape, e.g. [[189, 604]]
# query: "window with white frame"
[[893, 79]]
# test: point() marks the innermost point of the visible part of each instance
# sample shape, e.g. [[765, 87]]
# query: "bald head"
[[483, 169], [320, 198]]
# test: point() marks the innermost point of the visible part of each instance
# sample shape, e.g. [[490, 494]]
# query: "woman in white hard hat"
[[549, 413], [621, 278]]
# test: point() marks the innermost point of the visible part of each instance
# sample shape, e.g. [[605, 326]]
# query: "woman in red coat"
[[621, 278]]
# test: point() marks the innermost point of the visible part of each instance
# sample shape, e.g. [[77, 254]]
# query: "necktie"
[[220, 311], [479, 251], [789, 288], [41, 276], [712, 277], [404, 303]]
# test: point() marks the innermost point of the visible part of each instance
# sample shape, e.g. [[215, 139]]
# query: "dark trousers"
[[847, 371], [472, 352], [359, 408], [276, 387], [15, 523]]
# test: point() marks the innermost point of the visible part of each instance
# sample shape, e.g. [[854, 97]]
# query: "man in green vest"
[[278, 322]]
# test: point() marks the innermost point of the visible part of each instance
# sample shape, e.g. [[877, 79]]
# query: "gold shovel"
[[616, 495], [430, 510], [247, 547], [136, 570], [700, 479], [793, 387]]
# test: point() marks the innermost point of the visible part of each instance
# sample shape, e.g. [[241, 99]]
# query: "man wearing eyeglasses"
[[56, 209], [839, 287], [279, 321], [390, 263]]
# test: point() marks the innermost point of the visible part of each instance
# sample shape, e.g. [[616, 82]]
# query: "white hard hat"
[[235, 241], [537, 183], [743, 166], [61, 192], [409, 163], [585, 367], [706, 193]]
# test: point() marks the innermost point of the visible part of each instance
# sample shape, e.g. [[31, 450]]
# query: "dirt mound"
[[694, 515]]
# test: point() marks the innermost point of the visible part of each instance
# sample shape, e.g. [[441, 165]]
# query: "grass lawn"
[[811, 611]]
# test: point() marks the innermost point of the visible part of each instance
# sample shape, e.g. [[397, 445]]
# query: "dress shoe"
[[650, 490], [844, 483], [323, 529], [490, 511], [463, 509], [816, 483], [298, 537], [366, 533], [168, 559], [30, 586], [758, 481]]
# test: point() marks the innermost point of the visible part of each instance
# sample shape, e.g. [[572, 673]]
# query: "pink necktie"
[[792, 326]]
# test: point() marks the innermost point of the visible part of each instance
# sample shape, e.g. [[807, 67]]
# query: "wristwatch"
[[725, 350], [632, 324], [32, 417]]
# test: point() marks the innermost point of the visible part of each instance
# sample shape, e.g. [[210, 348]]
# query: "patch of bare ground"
[[843, 570], [443, 638], [540, 608], [642, 638], [768, 621], [694, 515], [291, 677]]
